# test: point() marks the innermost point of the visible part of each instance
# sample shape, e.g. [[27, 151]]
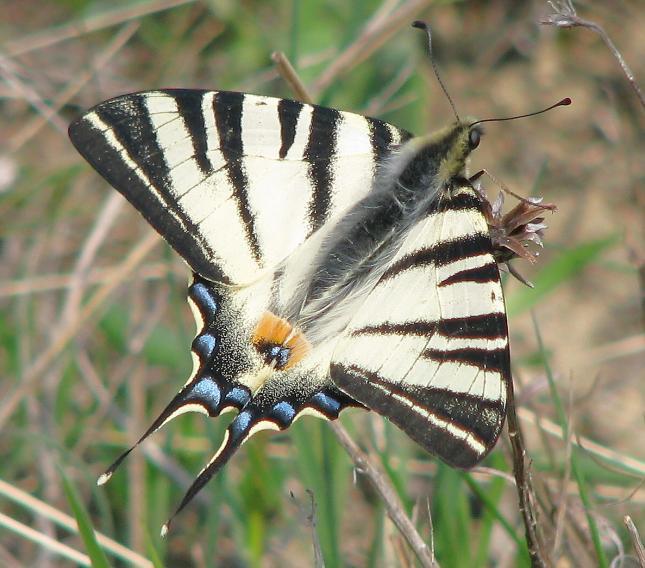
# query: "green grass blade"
[[94, 551], [153, 553], [324, 469], [451, 519], [490, 499]]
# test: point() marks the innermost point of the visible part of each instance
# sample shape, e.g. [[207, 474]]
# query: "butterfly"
[[338, 261]]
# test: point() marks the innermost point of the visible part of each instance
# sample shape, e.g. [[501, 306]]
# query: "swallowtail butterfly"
[[337, 261]]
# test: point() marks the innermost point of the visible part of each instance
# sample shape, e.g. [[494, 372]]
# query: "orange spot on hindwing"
[[281, 344]]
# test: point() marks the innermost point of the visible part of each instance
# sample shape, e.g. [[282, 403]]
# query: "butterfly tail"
[[267, 411], [244, 425], [202, 394]]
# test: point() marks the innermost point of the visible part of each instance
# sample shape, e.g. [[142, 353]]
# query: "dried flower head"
[[512, 233]]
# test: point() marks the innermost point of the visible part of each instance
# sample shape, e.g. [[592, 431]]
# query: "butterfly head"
[[446, 151], [456, 142]]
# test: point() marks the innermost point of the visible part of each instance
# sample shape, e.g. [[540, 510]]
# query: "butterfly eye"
[[474, 136]]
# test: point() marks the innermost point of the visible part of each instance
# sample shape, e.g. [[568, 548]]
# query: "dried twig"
[[562, 497], [565, 17], [43, 509], [636, 539], [10, 74], [525, 492], [49, 543], [76, 28], [390, 498], [628, 464], [376, 32], [56, 282], [51, 110], [288, 73]]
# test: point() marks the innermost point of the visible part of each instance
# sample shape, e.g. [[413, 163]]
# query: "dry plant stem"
[[63, 520], [289, 74], [99, 233], [391, 500], [12, 399], [74, 29], [376, 33], [628, 463], [566, 478], [309, 517], [566, 17], [636, 539], [525, 492], [10, 74], [47, 542], [57, 282], [379, 103], [31, 129]]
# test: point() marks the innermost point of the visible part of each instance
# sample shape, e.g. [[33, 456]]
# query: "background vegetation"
[[90, 354]]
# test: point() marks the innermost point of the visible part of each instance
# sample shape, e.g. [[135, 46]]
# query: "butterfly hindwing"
[[234, 182], [236, 369], [428, 348]]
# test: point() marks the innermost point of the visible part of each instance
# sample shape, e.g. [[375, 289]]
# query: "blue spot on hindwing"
[[205, 391], [325, 403], [241, 423], [204, 345], [204, 298], [284, 412], [237, 396]]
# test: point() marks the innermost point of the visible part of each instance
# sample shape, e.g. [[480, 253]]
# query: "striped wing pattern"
[[244, 186], [234, 182], [429, 347]]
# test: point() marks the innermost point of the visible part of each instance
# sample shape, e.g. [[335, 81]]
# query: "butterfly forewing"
[[234, 182], [429, 348]]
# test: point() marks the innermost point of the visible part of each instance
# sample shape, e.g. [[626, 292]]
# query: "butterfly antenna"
[[564, 102], [426, 28]]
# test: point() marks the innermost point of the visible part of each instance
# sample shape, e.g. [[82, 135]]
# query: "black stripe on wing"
[[319, 153], [288, 114], [484, 359], [189, 106], [131, 126], [128, 120], [459, 428], [228, 108], [442, 254], [486, 326], [485, 273], [380, 138]]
